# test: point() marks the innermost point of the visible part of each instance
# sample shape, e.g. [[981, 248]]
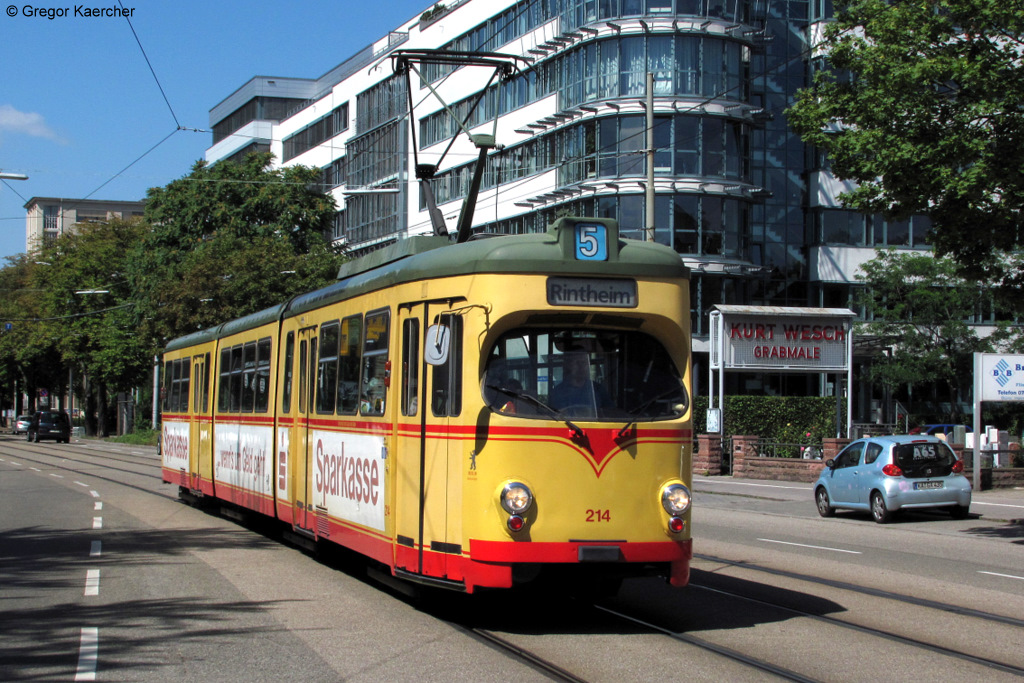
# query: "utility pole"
[[649, 192]]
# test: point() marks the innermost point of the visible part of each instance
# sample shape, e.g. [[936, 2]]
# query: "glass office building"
[[748, 207]]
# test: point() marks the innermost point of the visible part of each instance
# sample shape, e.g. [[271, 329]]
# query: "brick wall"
[[748, 464]]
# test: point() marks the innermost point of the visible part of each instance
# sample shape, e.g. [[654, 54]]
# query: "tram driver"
[[578, 393]]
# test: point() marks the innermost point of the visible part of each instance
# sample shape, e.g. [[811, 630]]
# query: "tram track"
[[516, 652], [66, 460], [919, 633], [721, 590]]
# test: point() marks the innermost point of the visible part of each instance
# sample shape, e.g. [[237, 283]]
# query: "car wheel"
[[825, 508], [880, 513], [959, 511]]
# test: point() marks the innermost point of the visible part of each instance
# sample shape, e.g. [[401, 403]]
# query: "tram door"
[[302, 492], [201, 422], [428, 523]]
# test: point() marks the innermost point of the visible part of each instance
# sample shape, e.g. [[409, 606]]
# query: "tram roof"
[[425, 258]]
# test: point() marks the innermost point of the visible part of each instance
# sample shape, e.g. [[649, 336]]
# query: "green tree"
[[228, 240], [918, 307], [922, 107], [28, 344], [89, 312]]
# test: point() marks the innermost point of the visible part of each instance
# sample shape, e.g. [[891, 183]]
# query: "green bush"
[[786, 419], [140, 437]]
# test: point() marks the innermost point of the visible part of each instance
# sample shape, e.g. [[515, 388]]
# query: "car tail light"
[[892, 471], [958, 467]]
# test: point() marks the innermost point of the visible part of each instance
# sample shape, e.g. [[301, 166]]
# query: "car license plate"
[[918, 485]]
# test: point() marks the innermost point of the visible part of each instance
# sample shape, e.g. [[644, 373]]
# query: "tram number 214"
[[599, 515]]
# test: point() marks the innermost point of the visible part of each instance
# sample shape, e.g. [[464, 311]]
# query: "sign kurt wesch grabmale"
[[784, 343]]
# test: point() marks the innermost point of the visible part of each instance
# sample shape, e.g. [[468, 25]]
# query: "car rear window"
[[925, 459]]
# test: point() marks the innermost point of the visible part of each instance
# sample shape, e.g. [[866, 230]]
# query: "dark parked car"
[[22, 423], [941, 430], [50, 424]]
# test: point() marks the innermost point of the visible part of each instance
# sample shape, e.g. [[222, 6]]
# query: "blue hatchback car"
[[884, 474]]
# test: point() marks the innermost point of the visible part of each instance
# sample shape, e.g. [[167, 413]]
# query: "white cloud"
[[27, 123]]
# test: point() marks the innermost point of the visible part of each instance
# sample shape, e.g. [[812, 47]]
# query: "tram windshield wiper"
[[640, 409], [533, 400]]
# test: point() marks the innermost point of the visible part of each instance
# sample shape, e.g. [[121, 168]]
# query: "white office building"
[[748, 207]]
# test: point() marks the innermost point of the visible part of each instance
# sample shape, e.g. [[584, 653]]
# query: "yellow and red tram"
[[467, 415]]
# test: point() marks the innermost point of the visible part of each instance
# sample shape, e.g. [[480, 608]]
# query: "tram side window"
[[410, 365], [168, 367], [302, 376], [289, 373], [248, 377], [206, 382], [224, 388], [312, 361], [197, 399], [236, 380], [183, 380], [263, 350], [447, 377], [373, 390], [327, 368], [349, 364], [175, 368], [176, 381]]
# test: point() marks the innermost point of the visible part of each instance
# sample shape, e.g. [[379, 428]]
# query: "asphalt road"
[[107, 576]]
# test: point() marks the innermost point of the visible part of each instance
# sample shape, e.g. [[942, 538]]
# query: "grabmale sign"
[[786, 343], [780, 339]]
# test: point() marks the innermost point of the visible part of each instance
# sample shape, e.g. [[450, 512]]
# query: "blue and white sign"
[[591, 242], [1001, 377]]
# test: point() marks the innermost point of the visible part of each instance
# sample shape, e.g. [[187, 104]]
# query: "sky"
[[82, 114]]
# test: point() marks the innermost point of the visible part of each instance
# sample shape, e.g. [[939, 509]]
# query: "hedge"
[[786, 419]]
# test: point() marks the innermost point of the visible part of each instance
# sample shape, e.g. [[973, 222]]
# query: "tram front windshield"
[[600, 375]]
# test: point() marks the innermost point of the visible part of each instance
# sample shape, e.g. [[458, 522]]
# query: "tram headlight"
[[675, 498], [516, 498]]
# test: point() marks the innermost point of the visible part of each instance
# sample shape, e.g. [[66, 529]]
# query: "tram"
[[474, 415]]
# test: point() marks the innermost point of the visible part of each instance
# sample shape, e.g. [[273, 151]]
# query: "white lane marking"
[[96, 549], [97, 522], [35, 469], [94, 494], [815, 547], [97, 505], [88, 650], [998, 505], [92, 582], [16, 464], [1005, 576], [58, 476], [744, 483], [82, 485]]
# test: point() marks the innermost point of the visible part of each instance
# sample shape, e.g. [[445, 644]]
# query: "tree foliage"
[[229, 240], [919, 309], [922, 107], [86, 302], [28, 348]]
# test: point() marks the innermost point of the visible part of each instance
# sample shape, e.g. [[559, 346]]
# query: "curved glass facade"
[[688, 66]]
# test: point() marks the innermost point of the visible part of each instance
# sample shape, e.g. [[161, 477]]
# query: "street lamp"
[[12, 176]]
